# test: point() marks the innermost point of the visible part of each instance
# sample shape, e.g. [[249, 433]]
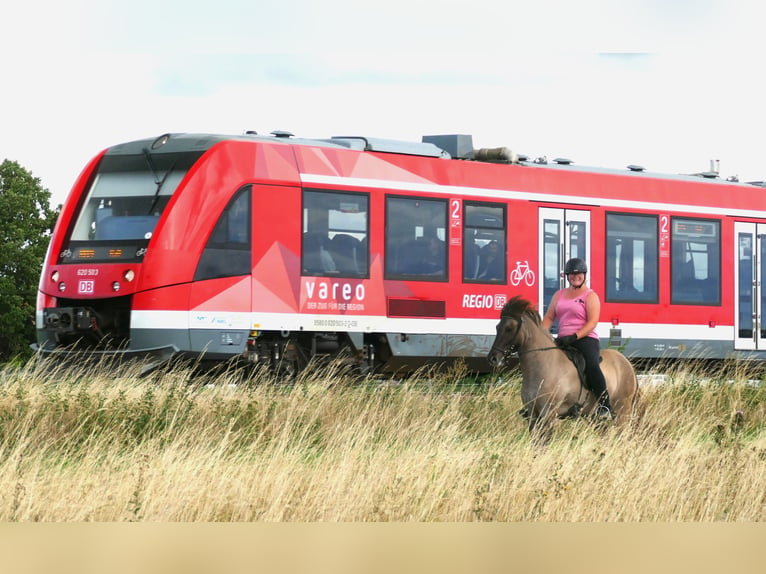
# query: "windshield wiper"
[[159, 182]]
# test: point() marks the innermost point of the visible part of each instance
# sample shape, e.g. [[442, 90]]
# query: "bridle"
[[510, 349]]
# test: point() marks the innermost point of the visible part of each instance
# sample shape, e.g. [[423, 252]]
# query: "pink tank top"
[[571, 314]]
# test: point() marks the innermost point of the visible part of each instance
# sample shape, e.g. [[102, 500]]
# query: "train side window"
[[335, 234], [695, 263], [416, 229], [484, 243], [632, 250], [228, 250]]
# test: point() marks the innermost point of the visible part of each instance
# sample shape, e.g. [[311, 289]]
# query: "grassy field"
[[89, 444]]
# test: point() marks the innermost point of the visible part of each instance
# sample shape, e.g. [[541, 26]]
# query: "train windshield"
[[128, 194]]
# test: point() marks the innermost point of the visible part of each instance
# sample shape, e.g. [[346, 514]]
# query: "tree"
[[26, 223]]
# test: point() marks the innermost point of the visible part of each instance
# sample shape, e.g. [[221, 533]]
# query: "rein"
[[535, 350], [514, 348]]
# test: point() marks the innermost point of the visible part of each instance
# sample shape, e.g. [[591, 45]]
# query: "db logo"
[[86, 286]]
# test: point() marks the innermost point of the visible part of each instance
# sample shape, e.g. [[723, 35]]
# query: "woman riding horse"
[[577, 308]]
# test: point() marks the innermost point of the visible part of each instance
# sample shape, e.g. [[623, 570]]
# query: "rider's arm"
[[593, 312]]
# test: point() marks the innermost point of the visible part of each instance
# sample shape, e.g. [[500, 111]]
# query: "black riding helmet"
[[575, 265]]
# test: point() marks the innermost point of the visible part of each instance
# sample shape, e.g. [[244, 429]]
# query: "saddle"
[[579, 362]]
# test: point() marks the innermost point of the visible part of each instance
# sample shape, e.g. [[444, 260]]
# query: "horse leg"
[[541, 428], [623, 387], [573, 412], [629, 410]]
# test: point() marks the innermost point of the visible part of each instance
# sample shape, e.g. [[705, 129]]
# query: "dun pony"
[[551, 386]]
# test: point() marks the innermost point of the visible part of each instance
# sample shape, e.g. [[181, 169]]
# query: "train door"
[[749, 279], [220, 294], [563, 233]]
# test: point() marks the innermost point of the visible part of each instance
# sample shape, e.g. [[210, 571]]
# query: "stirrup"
[[603, 413]]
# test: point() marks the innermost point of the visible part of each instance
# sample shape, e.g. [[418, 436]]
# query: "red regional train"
[[394, 254]]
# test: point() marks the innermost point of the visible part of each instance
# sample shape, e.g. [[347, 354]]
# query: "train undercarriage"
[[102, 329]]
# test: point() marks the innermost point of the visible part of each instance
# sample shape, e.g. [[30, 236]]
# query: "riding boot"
[[604, 408], [594, 376]]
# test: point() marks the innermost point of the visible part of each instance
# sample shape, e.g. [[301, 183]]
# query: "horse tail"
[[638, 407]]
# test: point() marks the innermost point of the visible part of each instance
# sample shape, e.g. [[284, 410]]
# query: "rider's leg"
[[590, 349]]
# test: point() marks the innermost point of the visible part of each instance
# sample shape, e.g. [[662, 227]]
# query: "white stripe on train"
[[223, 320]]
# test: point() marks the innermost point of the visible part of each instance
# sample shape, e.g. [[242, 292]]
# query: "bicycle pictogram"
[[522, 273]]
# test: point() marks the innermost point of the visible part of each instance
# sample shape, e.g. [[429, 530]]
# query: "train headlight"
[[129, 275], [55, 276], [116, 286], [62, 286], [160, 141]]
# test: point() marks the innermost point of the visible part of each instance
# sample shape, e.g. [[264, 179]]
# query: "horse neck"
[[535, 337], [536, 352]]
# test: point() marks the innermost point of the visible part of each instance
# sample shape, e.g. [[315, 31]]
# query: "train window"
[[128, 194], [578, 239], [227, 252], [631, 258], [484, 232], [335, 234], [416, 229], [695, 265]]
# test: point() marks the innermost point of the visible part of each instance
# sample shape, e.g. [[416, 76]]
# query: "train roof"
[[450, 146]]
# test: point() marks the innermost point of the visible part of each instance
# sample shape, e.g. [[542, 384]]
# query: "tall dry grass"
[[95, 444]]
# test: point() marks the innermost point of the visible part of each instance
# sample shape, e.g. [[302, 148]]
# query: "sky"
[[666, 84]]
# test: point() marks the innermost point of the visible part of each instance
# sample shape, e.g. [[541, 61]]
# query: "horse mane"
[[518, 307]]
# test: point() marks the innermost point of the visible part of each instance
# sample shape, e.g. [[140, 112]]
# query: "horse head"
[[510, 334]]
